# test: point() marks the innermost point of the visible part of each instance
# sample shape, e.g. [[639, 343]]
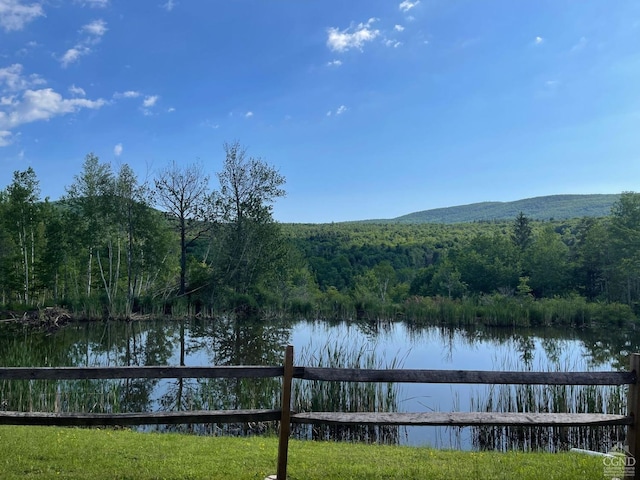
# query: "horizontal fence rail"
[[463, 419], [466, 376], [106, 373], [142, 418], [286, 416]]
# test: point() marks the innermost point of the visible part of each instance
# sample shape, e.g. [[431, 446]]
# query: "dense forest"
[[116, 247]]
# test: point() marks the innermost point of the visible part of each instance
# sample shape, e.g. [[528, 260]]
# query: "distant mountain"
[[558, 207]]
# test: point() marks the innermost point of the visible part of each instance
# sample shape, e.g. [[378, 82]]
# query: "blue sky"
[[369, 108]]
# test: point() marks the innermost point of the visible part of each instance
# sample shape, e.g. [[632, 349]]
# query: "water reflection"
[[224, 341]]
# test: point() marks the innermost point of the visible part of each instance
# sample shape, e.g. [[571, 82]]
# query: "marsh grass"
[[511, 311], [318, 396], [555, 399]]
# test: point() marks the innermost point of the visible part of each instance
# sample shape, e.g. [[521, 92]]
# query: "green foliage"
[[104, 251]]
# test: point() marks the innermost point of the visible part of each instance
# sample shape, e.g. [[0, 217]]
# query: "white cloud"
[[77, 91], [117, 150], [249, 114], [127, 94], [339, 111], [43, 104], [5, 137], [334, 63], [171, 109], [150, 101], [14, 15], [398, 28], [22, 102], [93, 3], [94, 32], [8, 101], [392, 43], [406, 5], [538, 41], [97, 28], [12, 80], [73, 54], [343, 40], [169, 5]]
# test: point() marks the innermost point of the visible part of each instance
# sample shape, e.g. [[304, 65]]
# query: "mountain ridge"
[[557, 207]]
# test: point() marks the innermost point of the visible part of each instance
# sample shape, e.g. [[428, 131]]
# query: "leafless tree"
[[183, 192]]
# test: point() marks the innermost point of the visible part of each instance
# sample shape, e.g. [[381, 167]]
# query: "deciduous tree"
[[249, 242], [183, 192]]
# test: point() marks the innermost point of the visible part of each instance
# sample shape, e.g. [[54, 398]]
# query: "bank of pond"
[[228, 340]]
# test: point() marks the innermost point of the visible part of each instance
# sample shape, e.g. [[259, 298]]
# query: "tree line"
[[566, 267], [115, 245]]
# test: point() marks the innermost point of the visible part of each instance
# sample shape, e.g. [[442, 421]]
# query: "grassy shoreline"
[[73, 453]]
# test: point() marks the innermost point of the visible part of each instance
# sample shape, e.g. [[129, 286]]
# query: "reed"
[[511, 311], [317, 396], [550, 398]]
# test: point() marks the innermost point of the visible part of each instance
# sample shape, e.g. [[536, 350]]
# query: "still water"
[[373, 345]]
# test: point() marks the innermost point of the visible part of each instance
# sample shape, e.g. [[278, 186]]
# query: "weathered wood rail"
[[286, 416]]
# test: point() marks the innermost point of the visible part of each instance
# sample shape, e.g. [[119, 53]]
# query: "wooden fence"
[[286, 417]]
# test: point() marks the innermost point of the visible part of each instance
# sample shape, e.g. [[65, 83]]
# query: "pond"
[[223, 341]]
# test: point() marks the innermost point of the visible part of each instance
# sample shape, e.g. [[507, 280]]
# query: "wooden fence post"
[[285, 420], [633, 409]]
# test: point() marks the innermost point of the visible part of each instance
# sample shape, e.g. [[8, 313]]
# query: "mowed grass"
[[73, 453]]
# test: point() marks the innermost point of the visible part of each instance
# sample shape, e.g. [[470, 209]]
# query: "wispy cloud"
[[339, 111], [406, 5], [210, 124], [93, 3], [117, 150], [352, 37], [249, 114], [127, 94], [580, 45], [150, 101], [14, 14], [398, 28], [538, 41], [77, 91], [5, 138], [169, 5], [93, 32], [12, 79], [334, 63], [73, 55], [97, 28], [392, 43]]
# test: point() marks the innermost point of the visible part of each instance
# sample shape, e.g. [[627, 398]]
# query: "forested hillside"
[[117, 247], [558, 207]]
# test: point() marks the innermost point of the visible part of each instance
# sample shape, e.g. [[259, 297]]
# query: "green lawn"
[[69, 453]]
